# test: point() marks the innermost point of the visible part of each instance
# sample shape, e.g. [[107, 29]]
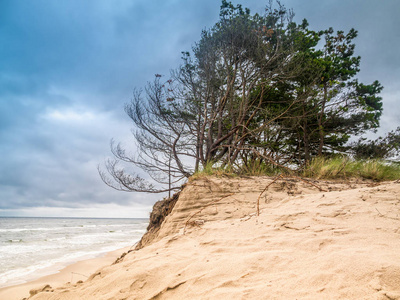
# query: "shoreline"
[[72, 273], [337, 240]]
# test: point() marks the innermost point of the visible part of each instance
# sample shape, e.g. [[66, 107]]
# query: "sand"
[[79, 271], [340, 243]]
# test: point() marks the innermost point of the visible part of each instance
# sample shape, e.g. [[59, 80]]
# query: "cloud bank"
[[68, 67]]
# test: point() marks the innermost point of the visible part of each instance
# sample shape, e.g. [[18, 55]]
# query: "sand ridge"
[[342, 243]]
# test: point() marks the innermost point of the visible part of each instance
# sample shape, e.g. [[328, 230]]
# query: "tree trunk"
[[321, 116]]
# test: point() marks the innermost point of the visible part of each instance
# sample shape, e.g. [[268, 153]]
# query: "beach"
[[32, 248], [79, 271], [309, 240]]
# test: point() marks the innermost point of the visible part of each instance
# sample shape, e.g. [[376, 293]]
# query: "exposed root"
[[161, 209]]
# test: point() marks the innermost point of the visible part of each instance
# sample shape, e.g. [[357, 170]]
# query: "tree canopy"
[[255, 87]]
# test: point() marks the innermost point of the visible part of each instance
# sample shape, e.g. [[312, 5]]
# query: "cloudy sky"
[[68, 67]]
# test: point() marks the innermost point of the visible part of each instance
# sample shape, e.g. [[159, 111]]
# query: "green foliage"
[[371, 103], [380, 148]]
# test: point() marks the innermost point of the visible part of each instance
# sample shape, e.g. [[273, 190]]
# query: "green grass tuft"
[[259, 168], [210, 170]]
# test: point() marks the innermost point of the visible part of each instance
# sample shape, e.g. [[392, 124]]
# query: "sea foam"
[[35, 247]]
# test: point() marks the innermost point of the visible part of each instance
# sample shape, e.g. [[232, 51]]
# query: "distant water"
[[32, 247]]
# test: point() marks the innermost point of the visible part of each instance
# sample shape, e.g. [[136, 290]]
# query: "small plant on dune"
[[322, 167], [257, 167], [211, 170]]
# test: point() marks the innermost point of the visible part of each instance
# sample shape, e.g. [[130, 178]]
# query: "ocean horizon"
[[33, 247]]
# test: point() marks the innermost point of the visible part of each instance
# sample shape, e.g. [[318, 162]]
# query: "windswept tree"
[[165, 142], [234, 78], [205, 113], [254, 88]]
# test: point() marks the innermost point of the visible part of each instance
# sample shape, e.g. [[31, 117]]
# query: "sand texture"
[[341, 243]]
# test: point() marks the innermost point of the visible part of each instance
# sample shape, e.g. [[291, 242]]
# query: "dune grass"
[[343, 167], [210, 170], [251, 168], [340, 167]]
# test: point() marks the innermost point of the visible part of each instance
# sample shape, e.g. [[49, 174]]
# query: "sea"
[[34, 247]]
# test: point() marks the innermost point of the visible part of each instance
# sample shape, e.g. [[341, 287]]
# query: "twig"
[[290, 171], [306, 181], [379, 212], [199, 211], [258, 199], [285, 178], [382, 215]]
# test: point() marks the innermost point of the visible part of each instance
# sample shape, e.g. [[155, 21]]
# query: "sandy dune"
[[341, 243]]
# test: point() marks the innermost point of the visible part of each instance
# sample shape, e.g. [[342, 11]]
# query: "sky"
[[68, 67]]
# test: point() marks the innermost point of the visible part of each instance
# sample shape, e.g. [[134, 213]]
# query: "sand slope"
[[306, 244]]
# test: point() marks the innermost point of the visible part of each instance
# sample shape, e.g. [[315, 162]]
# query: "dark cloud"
[[68, 67]]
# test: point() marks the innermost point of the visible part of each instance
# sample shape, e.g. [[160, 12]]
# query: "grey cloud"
[[63, 60]]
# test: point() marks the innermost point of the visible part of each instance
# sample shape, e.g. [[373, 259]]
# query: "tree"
[[387, 147], [163, 138], [206, 111], [334, 105], [236, 70], [254, 88]]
